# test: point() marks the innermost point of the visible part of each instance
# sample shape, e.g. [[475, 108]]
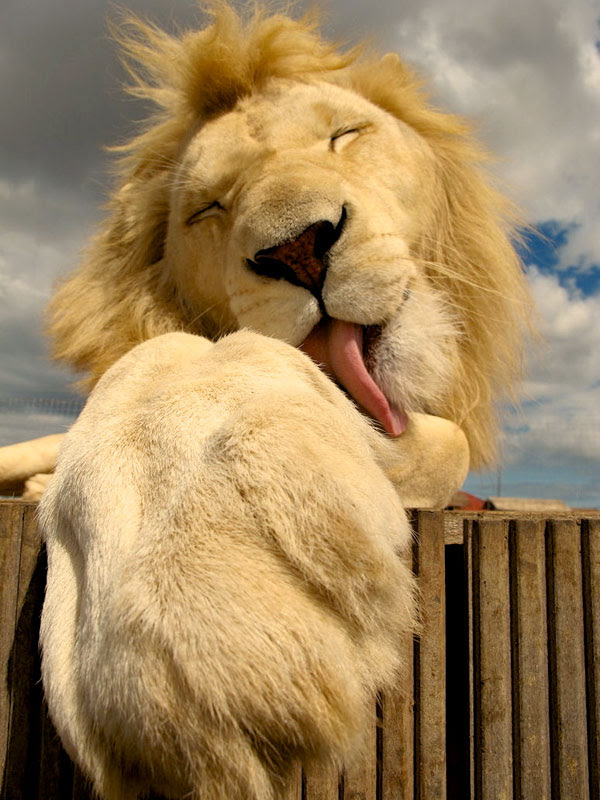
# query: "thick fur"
[[227, 585], [437, 217], [222, 598]]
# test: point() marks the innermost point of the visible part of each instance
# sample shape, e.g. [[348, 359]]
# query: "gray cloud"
[[61, 80], [21, 427]]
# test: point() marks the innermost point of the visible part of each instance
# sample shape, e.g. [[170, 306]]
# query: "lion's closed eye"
[[341, 138], [205, 211]]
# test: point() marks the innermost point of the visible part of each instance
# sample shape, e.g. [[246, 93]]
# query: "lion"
[[296, 320]]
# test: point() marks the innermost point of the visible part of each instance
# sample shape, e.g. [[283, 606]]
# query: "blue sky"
[[542, 248], [532, 468], [527, 74]]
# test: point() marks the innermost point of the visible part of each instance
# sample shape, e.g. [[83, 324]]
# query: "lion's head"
[[315, 197]]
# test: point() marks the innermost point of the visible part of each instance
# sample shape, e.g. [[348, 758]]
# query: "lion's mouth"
[[343, 350]]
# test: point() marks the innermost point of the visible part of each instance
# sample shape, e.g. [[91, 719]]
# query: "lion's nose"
[[303, 260]]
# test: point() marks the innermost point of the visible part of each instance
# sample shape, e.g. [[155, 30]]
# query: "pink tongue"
[[338, 346]]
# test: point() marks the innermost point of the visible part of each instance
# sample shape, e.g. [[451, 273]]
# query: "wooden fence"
[[502, 697]]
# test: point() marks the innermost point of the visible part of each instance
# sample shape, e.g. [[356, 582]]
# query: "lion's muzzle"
[[301, 261]]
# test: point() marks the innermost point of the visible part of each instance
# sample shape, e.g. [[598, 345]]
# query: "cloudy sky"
[[527, 72]]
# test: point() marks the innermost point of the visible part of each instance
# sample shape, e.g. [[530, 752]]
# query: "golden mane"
[[121, 295]]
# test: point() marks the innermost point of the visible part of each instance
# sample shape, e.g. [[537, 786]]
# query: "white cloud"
[[552, 444], [529, 73], [570, 327], [559, 424]]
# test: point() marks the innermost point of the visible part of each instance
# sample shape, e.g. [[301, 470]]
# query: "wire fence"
[[537, 473], [65, 406]]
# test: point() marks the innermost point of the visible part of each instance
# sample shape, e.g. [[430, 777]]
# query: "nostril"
[[301, 261], [318, 237], [272, 268], [327, 235]]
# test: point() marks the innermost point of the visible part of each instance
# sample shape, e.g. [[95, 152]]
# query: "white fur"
[[227, 582], [224, 594], [286, 176]]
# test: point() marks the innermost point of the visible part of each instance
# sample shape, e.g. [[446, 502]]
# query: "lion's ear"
[[398, 77], [120, 294], [391, 61]]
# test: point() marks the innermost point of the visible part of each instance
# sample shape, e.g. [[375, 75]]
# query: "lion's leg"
[[19, 462], [243, 596], [60, 664], [428, 463], [35, 487]]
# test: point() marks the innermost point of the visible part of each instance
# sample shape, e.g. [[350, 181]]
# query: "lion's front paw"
[[35, 487], [20, 461], [428, 463], [244, 595]]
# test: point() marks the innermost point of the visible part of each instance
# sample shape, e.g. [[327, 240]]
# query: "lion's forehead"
[[286, 107], [285, 115]]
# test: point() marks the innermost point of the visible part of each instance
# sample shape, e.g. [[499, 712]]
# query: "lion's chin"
[[338, 347]]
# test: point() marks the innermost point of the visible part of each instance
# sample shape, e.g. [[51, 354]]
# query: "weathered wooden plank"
[[53, 761], [493, 710], [519, 723], [21, 588], [431, 678], [81, 787], [453, 527], [567, 668], [360, 777], [11, 529], [321, 782], [470, 561], [397, 735], [21, 776], [530, 647], [591, 594], [30, 550], [458, 668], [293, 788], [397, 721]]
